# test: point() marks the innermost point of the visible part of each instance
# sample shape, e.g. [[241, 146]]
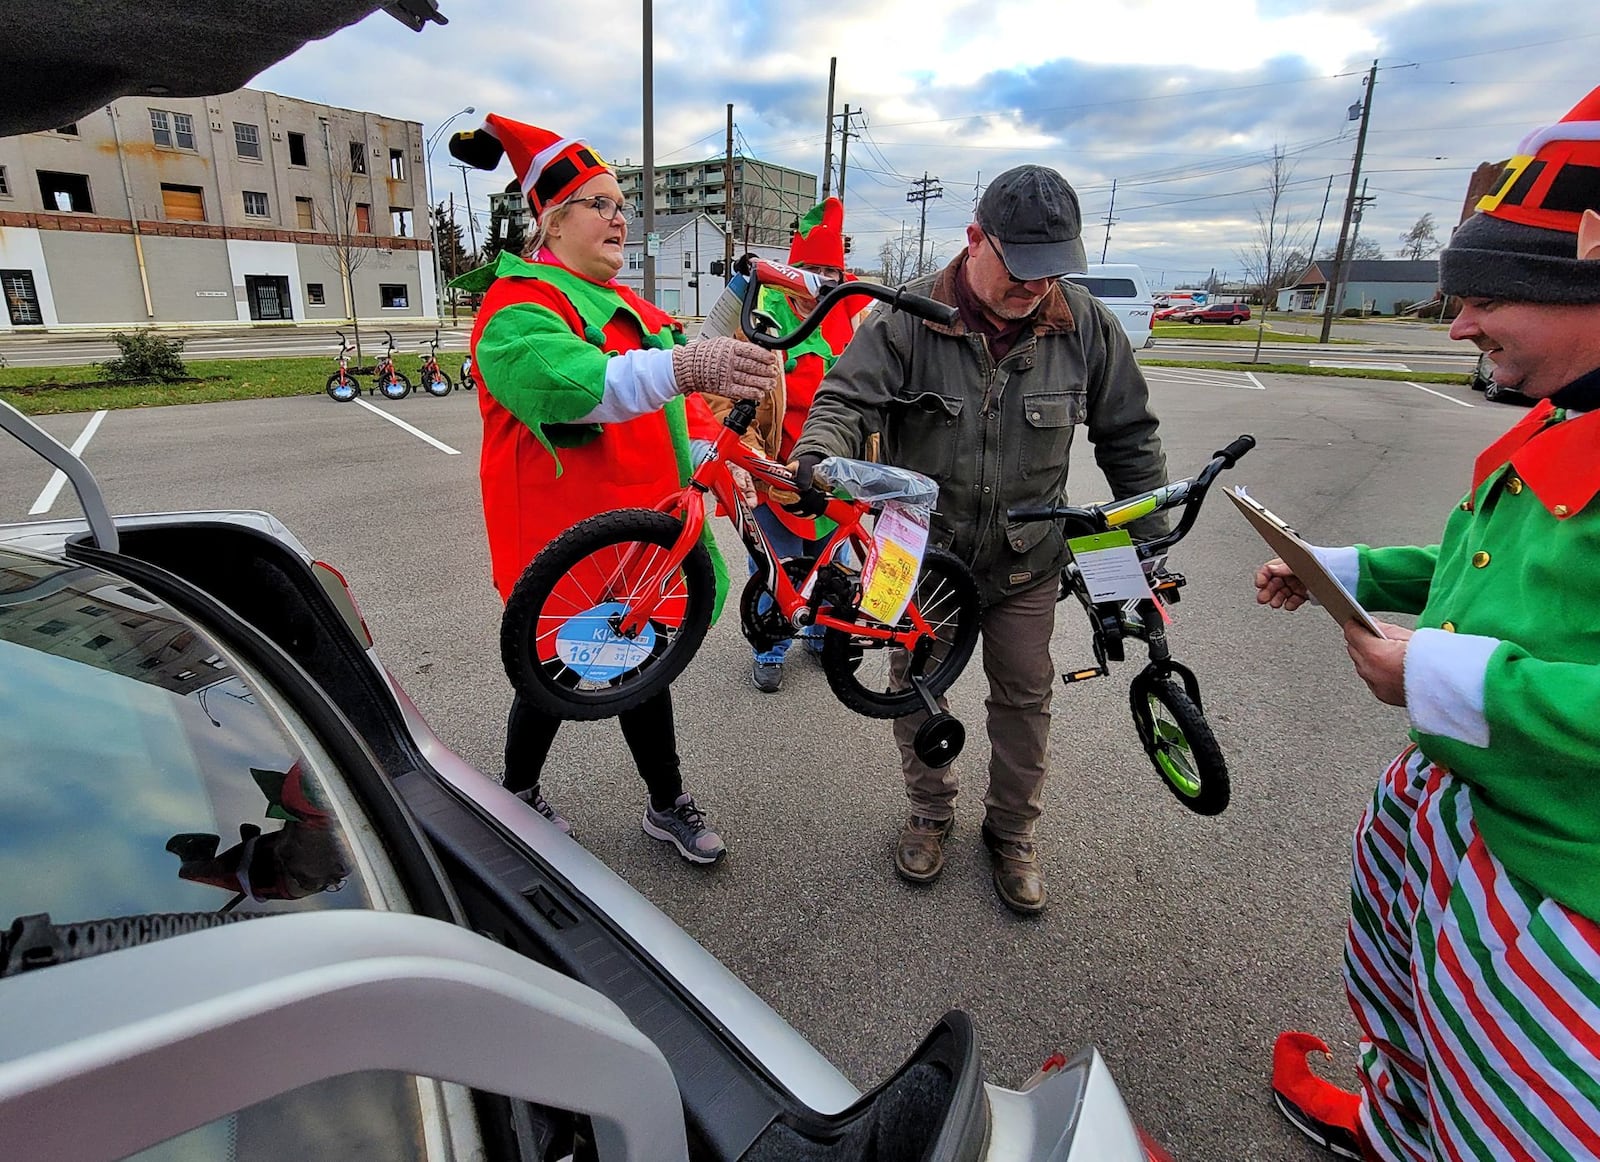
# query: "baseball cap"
[[1034, 212]]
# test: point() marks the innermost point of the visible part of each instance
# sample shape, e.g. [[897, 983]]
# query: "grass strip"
[[51, 390], [1459, 378]]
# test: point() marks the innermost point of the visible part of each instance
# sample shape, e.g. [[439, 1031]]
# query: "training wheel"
[[939, 740]]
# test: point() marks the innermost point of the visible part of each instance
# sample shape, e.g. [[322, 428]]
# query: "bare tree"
[[1363, 249], [1421, 241], [338, 216], [1279, 238], [899, 259]]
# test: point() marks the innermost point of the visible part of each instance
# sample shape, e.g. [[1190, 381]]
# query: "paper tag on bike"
[[588, 644], [1110, 567], [891, 573]]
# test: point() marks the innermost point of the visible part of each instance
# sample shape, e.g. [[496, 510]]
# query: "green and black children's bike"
[[1165, 695]]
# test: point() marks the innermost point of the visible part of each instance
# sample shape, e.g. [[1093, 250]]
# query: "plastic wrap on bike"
[[874, 483]]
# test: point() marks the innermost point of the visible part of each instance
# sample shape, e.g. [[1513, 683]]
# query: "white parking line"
[[417, 432], [57, 479], [1440, 394], [1199, 376], [1361, 366]]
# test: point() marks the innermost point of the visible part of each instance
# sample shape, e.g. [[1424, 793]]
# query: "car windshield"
[[141, 772]]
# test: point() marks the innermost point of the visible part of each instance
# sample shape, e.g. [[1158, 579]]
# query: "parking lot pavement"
[[1202, 377], [1179, 945]]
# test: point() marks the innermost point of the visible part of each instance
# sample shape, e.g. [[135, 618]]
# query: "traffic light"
[[847, 244], [716, 267]]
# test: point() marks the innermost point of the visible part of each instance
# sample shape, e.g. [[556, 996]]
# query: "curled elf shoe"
[[919, 855], [1017, 877], [1320, 1110]]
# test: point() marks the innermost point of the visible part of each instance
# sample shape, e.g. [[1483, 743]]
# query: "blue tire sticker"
[[588, 645]]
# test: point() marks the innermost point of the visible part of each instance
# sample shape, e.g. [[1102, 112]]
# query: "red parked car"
[[1217, 313]]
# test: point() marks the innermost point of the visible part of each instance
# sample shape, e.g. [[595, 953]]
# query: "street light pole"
[[433, 228]]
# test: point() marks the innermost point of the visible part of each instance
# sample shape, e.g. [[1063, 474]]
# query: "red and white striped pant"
[[1478, 998]]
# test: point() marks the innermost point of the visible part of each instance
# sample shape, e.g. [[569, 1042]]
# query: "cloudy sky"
[[1178, 101]]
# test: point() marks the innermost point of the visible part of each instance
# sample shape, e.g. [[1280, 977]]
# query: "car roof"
[[81, 54]]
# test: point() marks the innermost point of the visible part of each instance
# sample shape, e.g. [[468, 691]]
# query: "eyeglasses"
[[607, 207], [998, 253]]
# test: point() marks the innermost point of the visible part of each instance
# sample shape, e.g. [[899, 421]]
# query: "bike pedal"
[[1072, 676]]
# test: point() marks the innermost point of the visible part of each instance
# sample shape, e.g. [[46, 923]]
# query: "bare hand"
[[745, 484], [1380, 661], [1277, 586]]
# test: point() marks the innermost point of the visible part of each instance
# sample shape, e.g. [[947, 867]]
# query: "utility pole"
[[454, 250], [926, 189], [827, 149], [472, 230], [727, 203], [1109, 220], [1339, 255], [1317, 237], [844, 149], [649, 156], [1355, 236]]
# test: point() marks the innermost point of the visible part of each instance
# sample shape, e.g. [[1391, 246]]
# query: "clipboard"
[[1286, 543]]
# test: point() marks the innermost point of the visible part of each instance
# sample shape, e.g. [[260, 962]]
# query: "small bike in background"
[[469, 377], [390, 382], [1165, 695], [434, 381], [343, 386]]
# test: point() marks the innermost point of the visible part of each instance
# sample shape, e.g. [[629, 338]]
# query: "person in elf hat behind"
[[584, 411], [1472, 959], [818, 247]]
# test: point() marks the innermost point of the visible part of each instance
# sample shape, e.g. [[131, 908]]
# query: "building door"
[[22, 299], [269, 297]]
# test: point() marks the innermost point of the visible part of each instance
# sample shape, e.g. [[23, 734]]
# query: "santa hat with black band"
[[550, 168]]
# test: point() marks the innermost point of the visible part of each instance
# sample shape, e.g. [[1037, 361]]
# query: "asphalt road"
[[1179, 945]]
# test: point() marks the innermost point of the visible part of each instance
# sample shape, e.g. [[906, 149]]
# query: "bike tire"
[[568, 580], [438, 385], [343, 389], [947, 596], [1180, 744], [397, 386]]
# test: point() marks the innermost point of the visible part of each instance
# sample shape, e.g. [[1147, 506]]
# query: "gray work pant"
[[1016, 659]]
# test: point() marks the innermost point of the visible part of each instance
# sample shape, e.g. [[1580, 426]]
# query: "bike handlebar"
[[1188, 493], [344, 344], [761, 272]]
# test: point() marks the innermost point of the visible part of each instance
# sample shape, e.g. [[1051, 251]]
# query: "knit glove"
[[725, 366]]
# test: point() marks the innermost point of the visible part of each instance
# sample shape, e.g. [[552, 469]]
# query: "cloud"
[[1180, 109]]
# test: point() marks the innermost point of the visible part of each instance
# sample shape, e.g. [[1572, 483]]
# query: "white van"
[[1122, 287]]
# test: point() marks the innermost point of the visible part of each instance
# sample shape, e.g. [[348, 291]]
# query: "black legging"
[[648, 729]]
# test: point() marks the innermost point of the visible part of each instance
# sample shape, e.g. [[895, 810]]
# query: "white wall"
[[21, 249], [269, 258]]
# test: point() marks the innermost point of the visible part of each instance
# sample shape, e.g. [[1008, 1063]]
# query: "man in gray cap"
[[988, 407], [1472, 959]]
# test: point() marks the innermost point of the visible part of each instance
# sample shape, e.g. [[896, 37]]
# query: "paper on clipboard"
[[1323, 585]]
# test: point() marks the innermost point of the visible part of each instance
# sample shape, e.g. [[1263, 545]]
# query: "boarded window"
[[363, 218], [394, 295], [182, 203], [255, 204], [65, 192], [304, 214], [247, 140], [297, 149], [397, 165]]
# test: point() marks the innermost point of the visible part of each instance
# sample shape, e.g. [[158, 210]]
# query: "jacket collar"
[[1555, 457], [1052, 316]]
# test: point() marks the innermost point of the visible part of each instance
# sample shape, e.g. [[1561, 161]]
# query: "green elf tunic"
[[1502, 679], [552, 348]]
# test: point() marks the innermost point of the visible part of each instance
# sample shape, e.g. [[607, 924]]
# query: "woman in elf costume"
[[1472, 959], [584, 411], [818, 247]]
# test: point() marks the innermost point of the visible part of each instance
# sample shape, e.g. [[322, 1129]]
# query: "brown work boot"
[[919, 856], [1017, 876]]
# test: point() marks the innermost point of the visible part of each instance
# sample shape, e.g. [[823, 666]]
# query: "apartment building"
[[248, 207], [765, 200]]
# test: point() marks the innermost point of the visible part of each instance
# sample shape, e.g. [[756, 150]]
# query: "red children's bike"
[[611, 611]]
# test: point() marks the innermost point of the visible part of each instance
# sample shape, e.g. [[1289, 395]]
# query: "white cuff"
[[637, 383], [1344, 563], [1444, 678]]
